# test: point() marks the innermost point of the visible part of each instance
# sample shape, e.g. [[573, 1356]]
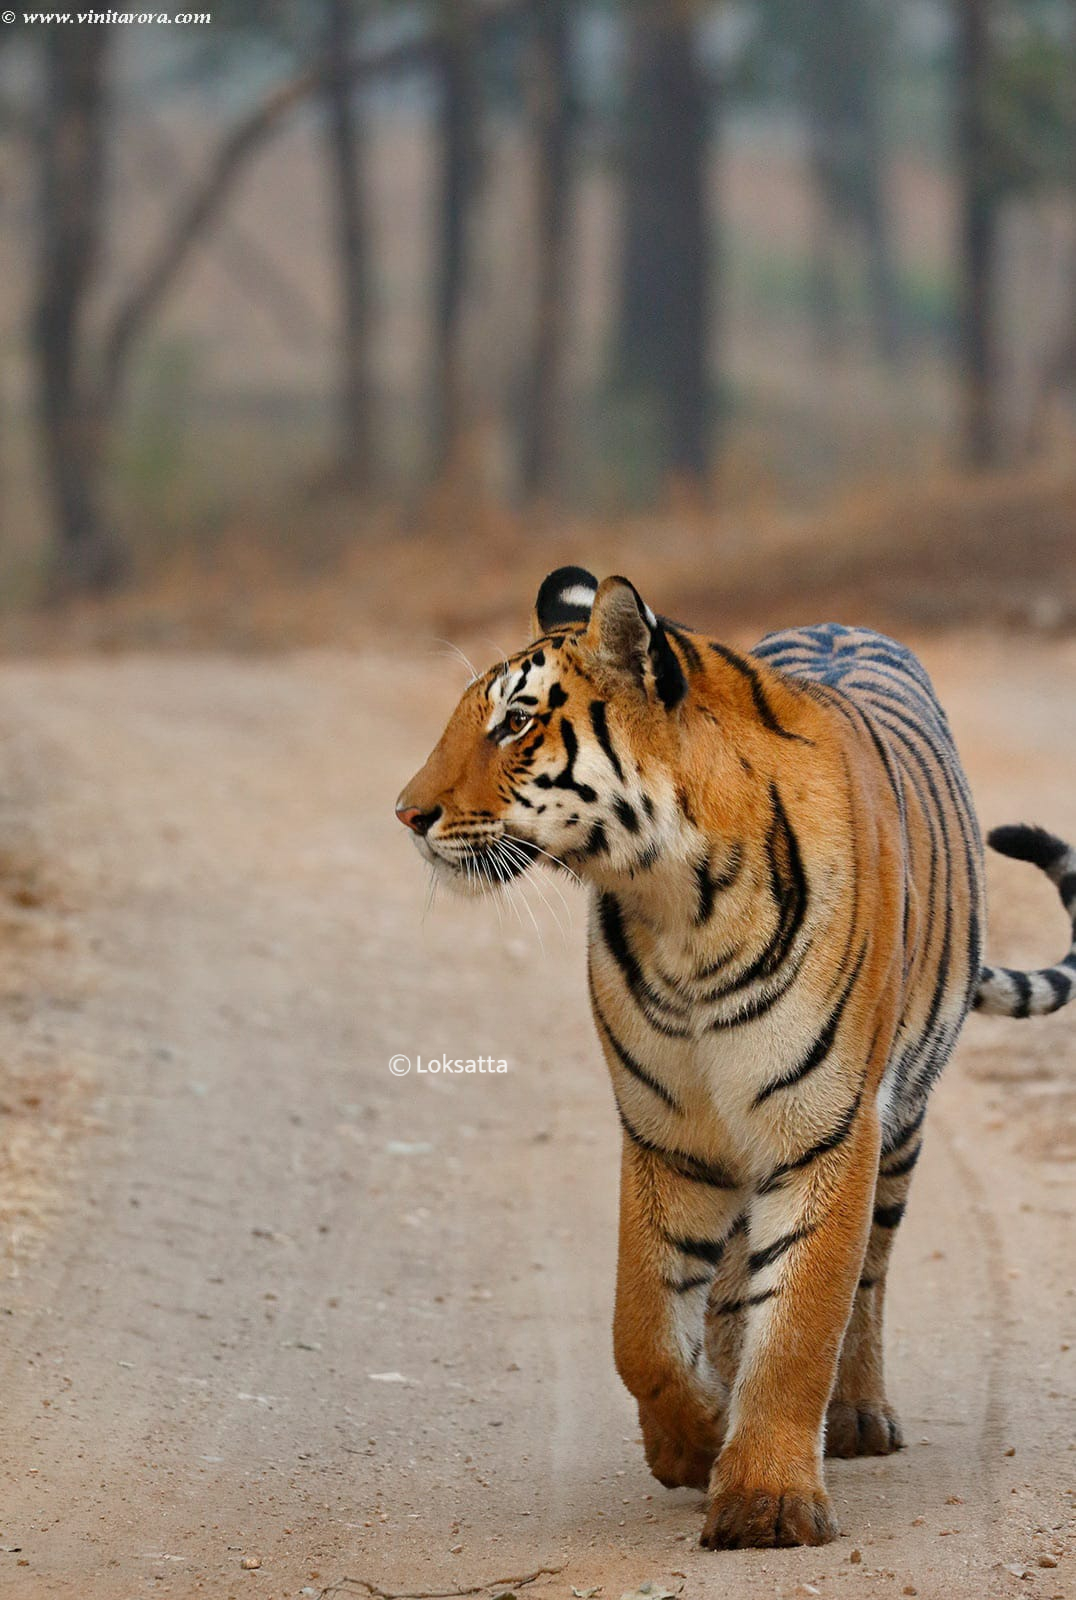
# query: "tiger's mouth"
[[479, 866]]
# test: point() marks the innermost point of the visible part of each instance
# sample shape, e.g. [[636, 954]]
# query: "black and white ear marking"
[[566, 596], [626, 634]]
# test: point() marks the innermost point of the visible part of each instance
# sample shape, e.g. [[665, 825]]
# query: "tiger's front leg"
[[807, 1232], [674, 1230]]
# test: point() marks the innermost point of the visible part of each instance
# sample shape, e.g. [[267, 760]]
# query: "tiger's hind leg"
[[860, 1421]]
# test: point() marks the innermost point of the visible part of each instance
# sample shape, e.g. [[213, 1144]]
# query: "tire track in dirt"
[[999, 1295]]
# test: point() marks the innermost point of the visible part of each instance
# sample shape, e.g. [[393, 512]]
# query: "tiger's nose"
[[418, 821]]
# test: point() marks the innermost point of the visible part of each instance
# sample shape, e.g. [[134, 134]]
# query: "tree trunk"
[[458, 150], [344, 140], [72, 155], [875, 217], [827, 237], [553, 139], [664, 320], [842, 49], [978, 237]]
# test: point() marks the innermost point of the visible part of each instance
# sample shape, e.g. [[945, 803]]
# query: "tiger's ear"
[[566, 596], [625, 634]]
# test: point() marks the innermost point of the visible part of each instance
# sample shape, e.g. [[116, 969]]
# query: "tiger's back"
[[881, 689]]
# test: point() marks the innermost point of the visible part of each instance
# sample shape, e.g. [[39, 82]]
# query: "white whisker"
[[494, 886], [431, 890], [512, 852], [521, 858], [528, 910], [515, 844], [539, 888], [555, 859], [456, 651], [495, 646], [509, 895]]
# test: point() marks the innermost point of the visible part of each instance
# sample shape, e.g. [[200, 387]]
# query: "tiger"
[[786, 909]]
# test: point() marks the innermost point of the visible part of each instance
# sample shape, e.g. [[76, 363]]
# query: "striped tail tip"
[[1006, 991]]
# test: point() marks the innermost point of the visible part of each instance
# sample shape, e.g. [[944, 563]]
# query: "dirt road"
[[262, 1299]]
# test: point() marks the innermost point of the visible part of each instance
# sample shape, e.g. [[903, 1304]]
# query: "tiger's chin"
[[479, 870]]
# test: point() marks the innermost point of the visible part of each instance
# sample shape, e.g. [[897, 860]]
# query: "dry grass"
[[999, 552]]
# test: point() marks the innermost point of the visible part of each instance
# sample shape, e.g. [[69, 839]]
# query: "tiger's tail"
[[1003, 991]]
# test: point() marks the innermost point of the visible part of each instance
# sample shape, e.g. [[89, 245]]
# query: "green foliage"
[[154, 451], [782, 283], [1031, 106]]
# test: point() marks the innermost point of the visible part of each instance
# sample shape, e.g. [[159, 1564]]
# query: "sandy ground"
[[260, 1298]]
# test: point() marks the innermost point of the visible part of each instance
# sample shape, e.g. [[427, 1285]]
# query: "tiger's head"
[[567, 751]]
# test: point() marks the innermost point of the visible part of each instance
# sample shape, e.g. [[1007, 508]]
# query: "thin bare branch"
[[239, 251], [497, 1585], [223, 170]]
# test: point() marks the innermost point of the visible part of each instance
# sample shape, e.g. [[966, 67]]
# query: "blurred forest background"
[[320, 317]]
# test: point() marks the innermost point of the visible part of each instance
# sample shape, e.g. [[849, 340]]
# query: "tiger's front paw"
[[748, 1519], [862, 1428], [675, 1463], [680, 1457]]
